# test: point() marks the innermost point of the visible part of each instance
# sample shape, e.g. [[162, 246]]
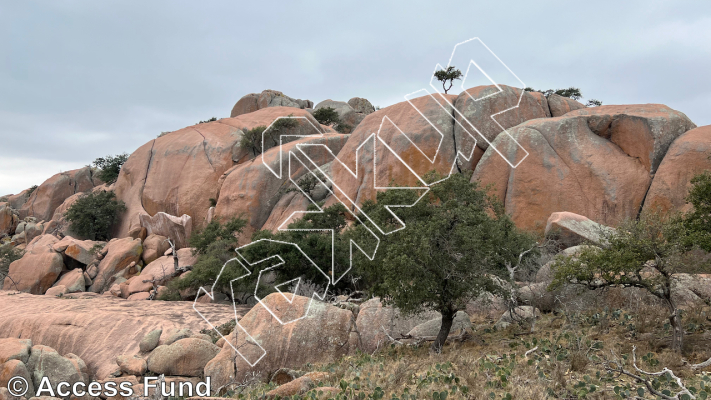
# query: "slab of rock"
[[268, 98], [185, 357], [687, 157], [560, 105], [571, 229], [431, 327], [99, 328], [326, 334], [169, 226], [38, 268], [56, 291], [81, 250], [18, 200], [120, 253]]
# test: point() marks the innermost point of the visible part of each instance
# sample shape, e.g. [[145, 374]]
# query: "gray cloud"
[[82, 79]]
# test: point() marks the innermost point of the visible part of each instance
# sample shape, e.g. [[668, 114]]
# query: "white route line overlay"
[[331, 280]]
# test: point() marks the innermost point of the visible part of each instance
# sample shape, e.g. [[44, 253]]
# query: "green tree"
[[457, 244], [646, 253], [327, 116], [252, 139], [698, 221], [8, 255], [214, 245], [93, 214], [593, 103], [448, 75], [109, 167]]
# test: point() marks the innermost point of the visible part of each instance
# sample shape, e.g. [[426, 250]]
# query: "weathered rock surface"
[[252, 190], [435, 142], [120, 253], [150, 340], [161, 269], [479, 114], [46, 361], [131, 365], [178, 229], [643, 131], [178, 173], [38, 268], [8, 220], [687, 156], [153, 247], [15, 349], [560, 105], [268, 98], [571, 229], [73, 281], [52, 193], [98, 328], [326, 334], [361, 105], [375, 322], [346, 113], [569, 167], [185, 357], [12, 369], [431, 327]]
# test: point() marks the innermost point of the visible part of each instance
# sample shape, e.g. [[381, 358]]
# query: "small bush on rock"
[[109, 167], [8, 254], [93, 215]]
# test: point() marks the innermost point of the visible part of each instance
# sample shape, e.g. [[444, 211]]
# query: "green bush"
[[327, 116], [8, 254], [93, 215], [448, 75], [109, 167], [213, 119], [252, 139]]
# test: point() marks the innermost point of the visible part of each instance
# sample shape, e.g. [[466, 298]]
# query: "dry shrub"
[[578, 361]]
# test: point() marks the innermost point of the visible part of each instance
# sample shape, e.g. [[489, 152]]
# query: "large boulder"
[[161, 270], [120, 253], [178, 229], [346, 113], [361, 105], [82, 251], [18, 200], [571, 229], [8, 220], [432, 327], [52, 193], [476, 108], [253, 191], [569, 167], [38, 268], [12, 369], [15, 349], [268, 98], [98, 328], [376, 322], [185, 357], [178, 173], [324, 335], [153, 247], [73, 281], [46, 361], [560, 105], [687, 156], [642, 131]]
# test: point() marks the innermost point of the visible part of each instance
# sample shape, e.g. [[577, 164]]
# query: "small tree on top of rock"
[[329, 116], [647, 253], [457, 244], [448, 75], [93, 214], [8, 255], [109, 167], [698, 221], [252, 139]]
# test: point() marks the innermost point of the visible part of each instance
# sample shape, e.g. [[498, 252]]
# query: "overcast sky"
[[83, 79]]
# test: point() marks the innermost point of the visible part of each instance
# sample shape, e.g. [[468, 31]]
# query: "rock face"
[[185, 357], [178, 173], [686, 157], [178, 229], [573, 229], [560, 105], [268, 98], [52, 193], [46, 361], [153, 247], [376, 321], [252, 190], [644, 131], [491, 101], [324, 335], [98, 328], [431, 327], [38, 268], [361, 105], [569, 167]]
